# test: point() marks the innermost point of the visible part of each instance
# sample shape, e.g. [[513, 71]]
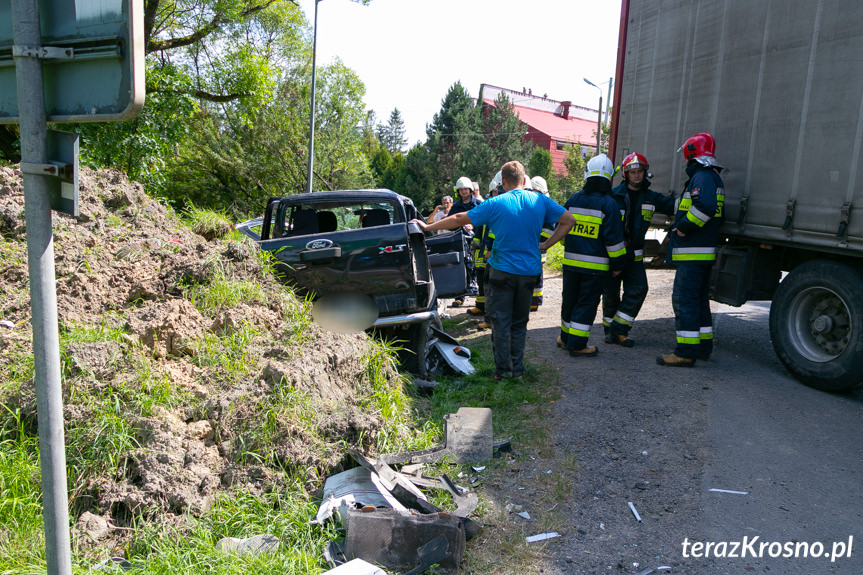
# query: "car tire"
[[417, 356], [816, 325]]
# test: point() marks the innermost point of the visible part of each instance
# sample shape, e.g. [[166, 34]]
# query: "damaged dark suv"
[[361, 244]]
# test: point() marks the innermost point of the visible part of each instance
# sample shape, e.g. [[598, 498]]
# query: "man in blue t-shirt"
[[516, 218]]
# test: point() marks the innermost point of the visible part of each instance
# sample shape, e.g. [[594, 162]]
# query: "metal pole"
[[599, 119], [312, 107], [599, 126], [43, 295], [608, 102]]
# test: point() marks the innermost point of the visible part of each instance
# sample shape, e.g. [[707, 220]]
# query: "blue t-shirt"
[[516, 218]]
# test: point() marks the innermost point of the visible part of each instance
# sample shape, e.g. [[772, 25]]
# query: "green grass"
[[161, 549], [208, 223], [20, 504]]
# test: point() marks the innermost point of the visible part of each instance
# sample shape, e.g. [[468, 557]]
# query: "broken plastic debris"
[[634, 512], [524, 514], [7, 323], [112, 563], [542, 537], [651, 570], [729, 491], [477, 469], [255, 545], [356, 567], [425, 383], [349, 489]]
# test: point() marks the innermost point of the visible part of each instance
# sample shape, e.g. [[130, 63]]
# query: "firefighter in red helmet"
[[692, 248], [637, 203]]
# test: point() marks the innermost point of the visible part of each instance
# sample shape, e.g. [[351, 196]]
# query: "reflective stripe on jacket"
[[700, 212]]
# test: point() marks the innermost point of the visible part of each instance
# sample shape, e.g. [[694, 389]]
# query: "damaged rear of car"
[[357, 254]]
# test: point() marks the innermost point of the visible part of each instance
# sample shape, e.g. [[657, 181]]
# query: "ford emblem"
[[319, 244]]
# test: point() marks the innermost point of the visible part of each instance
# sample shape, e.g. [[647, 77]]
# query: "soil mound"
[[191, 376]]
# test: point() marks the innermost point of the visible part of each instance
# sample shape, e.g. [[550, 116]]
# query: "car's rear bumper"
[[403, 319]]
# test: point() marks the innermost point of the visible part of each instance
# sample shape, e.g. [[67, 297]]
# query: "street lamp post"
[[312, 107], [598, 118], [608, 101]]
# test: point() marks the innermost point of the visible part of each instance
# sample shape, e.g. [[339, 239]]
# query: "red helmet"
[[701, 144], [634, 161]]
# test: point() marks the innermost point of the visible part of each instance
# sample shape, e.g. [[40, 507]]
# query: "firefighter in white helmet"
[[637, 203], [465, 202], [593, 250]]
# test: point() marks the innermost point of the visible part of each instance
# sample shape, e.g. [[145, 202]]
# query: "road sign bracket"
[[43, 52]]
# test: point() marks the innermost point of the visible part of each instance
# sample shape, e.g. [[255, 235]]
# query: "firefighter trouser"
[[481, 280], [691, 301], [536, 299], [619, 313], [508, 308], [581, 295]]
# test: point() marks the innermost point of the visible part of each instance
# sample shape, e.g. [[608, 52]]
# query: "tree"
[[491, 136], [443, 143], [575, 163], [392, 135]]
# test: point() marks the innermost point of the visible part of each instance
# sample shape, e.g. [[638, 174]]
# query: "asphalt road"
[[665, 438]]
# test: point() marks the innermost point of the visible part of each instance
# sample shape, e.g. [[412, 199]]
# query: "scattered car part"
[[393, 539], [467, 439], [634, 512]]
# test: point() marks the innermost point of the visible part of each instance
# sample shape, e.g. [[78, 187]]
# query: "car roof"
[[369, 194]]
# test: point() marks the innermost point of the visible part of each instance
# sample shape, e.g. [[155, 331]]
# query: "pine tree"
[[392, 135]]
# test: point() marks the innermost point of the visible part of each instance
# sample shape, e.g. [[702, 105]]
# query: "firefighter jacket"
[[636, 213], [595, 243], [699, 215]]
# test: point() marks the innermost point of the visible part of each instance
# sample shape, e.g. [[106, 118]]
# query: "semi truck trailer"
[[779, 85]]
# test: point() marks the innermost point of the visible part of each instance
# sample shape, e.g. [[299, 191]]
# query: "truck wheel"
[[417, 357], [816, 324]]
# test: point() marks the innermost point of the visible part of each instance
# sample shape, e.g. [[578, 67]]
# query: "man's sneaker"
[[617, 339], [673, 360], [457, 302], [534, 308], [589, 351], [560, 342], [483, 325], [475, 311]]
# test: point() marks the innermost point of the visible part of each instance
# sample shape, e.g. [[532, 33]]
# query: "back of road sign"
[[94, 63]]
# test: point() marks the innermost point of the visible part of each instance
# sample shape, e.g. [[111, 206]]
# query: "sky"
[[408, 53]]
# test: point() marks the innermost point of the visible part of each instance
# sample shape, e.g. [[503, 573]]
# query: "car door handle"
[[322, 254]]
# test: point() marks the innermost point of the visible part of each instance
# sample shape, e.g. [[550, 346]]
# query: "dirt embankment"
[[125, 269]]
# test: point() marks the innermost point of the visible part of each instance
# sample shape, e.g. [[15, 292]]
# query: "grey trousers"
[[508, 307]]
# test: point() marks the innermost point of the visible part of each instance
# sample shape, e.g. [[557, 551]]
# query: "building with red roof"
[[552, 125]]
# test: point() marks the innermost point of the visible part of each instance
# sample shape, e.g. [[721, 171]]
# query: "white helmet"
[[599, 165], [495, 181], [539, 184], [463, 182]]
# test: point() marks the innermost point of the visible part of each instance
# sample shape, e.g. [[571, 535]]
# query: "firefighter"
[[484, 243], [540, 186], [465, 202], [593, 251], [693, 241], [637, 203]]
